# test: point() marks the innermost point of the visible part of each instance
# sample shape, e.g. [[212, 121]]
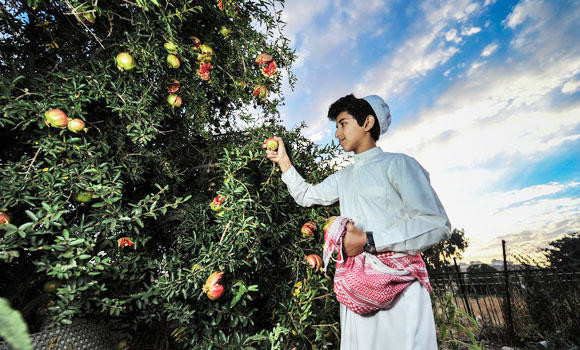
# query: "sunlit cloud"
[[489, 49]]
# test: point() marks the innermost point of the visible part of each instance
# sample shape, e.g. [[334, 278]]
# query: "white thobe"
[[390, 195]]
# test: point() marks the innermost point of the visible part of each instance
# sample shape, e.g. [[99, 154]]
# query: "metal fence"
[[518, 304]]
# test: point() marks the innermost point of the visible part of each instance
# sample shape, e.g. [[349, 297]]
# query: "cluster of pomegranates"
[[56, 118], [268, 67]]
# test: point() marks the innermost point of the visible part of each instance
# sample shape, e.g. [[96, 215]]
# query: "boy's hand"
[[279, 156], [354, 240]]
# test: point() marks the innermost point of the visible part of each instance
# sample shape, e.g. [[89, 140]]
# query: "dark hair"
[[358, 108]]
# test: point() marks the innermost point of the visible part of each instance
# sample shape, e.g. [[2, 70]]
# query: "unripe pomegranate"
[[271, 144], [173, 86], [76, 125], [308, 229], [195, 43], [260, 91], [206, 49], [89, 18], [170, 46], [123, 344], [269, 69], [240, 84], [125, 61], [216, 204], [314, 261], [263, 58], [206, 53], [212, 289], [173, 61], [174, 100], [125, 242], [56, 118], [4, 219], [225, 31], [84, 197], [51, 286]]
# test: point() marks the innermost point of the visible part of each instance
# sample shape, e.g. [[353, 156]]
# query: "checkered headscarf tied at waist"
[[365, 283]]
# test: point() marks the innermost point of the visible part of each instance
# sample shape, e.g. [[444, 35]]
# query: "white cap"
[[382, 111]]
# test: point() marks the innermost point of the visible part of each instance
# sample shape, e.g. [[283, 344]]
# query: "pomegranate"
[[125, 242], [216, 204], [308, 229], [174, 100], [4, 219], [56, 118], [204, 70], [225, 31], [327, 225], [125, 61], [76, 125], [88, 18], [206, 53], [195, 43], [263, 59], [170, 46], [173, 86], [173, 61], [269, 69], [84, 197], [51, 286], [212, 289], [240, 84], [271, 144], [260, 91], [314, 261]]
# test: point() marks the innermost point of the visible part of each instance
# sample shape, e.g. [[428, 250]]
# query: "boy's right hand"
[[279, 156]]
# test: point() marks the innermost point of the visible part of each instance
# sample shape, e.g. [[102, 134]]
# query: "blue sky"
[[485, 94]]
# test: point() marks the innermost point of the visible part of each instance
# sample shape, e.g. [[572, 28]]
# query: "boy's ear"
[[369, 122]]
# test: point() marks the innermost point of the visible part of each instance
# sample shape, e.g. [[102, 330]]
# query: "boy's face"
[[348, 132]]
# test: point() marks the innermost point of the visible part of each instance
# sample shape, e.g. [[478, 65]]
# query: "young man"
[[394, 208]]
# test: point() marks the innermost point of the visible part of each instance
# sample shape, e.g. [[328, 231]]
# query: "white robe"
[[390, 195]]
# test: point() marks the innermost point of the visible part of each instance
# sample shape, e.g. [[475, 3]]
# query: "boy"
[[394, 208]]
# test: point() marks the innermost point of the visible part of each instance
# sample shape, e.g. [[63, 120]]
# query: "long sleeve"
[[305, 194], [425, 222]]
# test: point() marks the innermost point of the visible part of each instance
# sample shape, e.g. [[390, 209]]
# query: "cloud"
[[470, 31], [489, 49], [571, 87], [422, 52], [490, 122], [451, 35]]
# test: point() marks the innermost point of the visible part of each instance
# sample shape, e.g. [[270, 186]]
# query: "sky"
[[484, 94]]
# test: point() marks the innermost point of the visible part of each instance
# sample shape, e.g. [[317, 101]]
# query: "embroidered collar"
[[366, 155]]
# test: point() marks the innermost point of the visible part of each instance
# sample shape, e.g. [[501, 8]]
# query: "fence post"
[[463, 290], [509, 321]]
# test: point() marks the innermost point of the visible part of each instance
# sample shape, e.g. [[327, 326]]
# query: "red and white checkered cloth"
[[365, 283]]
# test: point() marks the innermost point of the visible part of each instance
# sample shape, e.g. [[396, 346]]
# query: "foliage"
[[438, 258], [564, 253], [13, 328], [481, 268], [454, 325], [551, 300]]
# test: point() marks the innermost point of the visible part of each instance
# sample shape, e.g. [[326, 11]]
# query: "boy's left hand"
[[354, 240]]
